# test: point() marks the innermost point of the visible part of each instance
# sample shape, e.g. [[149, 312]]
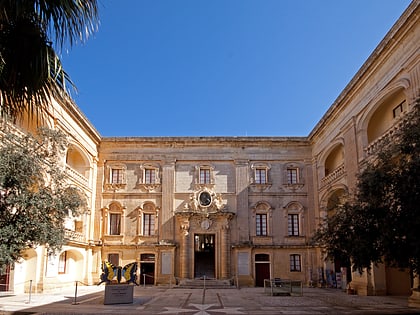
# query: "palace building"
[[240, 209]]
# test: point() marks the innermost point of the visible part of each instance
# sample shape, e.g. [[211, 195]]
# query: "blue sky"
[[222, 67]]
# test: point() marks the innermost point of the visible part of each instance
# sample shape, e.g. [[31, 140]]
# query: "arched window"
[[147, 219], [294, 214], [262, 219], [113, 216]]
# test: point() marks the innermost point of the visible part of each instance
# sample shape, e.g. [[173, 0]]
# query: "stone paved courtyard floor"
[[161, 300]]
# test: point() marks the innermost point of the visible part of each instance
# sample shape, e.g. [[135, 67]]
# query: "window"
[[295, 262], [115, 224], [114, 259], [398, 110], [205, 176], [260, 176], [117, 176], [148, 224], [62, 262], [293, 224], [149, 176], [292, 176], [261, 221]]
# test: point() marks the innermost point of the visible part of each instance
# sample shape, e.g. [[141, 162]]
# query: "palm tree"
[[31, 73]]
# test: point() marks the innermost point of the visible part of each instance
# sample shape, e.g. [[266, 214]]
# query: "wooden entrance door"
[[262, 271]]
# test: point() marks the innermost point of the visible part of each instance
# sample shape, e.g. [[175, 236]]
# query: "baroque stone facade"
[[236, 208]]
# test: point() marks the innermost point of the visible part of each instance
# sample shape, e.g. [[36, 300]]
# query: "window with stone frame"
[[294, 212], [292, 174], [114, 224], [114, 214], [115, 176], [293, 224], [150, 176], [204, 176], [260, 173], [147, 219], [262, 218], [261, 224], [148, 224], [295, 263]]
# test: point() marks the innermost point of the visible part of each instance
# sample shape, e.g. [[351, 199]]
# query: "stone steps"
[[200, 283]]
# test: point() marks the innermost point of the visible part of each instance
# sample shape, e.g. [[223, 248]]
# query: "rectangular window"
[[148, 224], [292, 176], [398, 110], [260, 176], [204, 176], [293, 224], [114, 259], [295, 262], [261, 221], [115, 224], [149, 176], [116, 176], [62, 263]]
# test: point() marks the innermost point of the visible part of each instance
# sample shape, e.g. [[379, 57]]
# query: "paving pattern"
[[161, 300]]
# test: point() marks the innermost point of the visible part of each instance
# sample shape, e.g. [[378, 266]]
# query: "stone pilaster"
[[225, 247], [166, 215], [184, 250]]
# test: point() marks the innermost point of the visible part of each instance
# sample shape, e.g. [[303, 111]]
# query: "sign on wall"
[[166, 263], [243, 263]]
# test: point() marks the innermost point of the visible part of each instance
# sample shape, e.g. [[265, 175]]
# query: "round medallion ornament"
[[205, 199], [205, 224]]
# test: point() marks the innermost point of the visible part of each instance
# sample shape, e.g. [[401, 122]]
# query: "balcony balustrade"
[[333, 176]]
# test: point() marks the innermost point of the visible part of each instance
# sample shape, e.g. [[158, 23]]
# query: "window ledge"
[[260, 187], [262, 240], [115, 186], [149, 187]]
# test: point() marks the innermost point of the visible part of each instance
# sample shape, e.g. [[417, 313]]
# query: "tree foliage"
[[31, 73], [34, 197], [382, 222]]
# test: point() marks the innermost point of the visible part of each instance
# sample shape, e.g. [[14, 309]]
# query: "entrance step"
[[200, 283]]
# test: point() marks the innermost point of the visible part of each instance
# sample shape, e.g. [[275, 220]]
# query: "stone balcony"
[[333, 176], [74, 236], [76, 176], [389, 136]]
